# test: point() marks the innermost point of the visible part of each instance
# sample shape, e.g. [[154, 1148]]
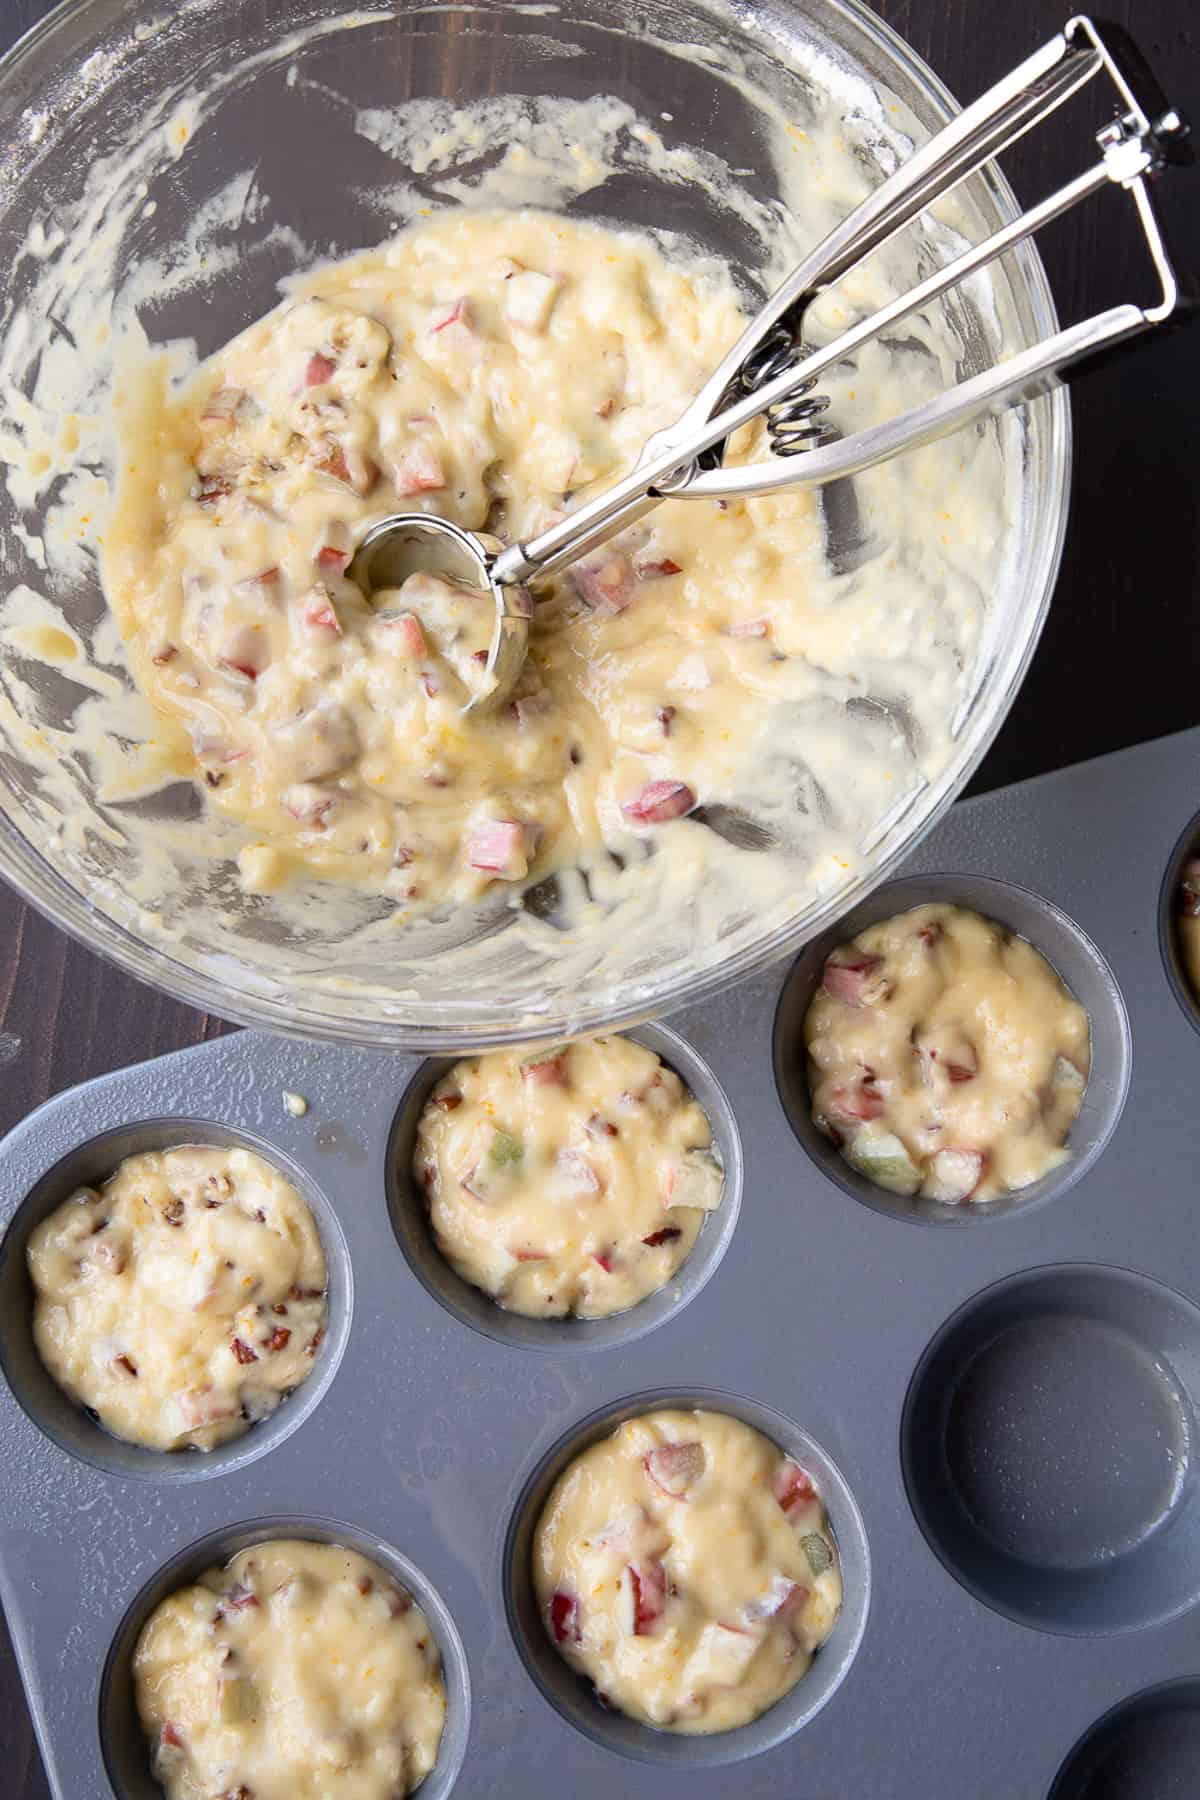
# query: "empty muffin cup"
[[575, 1698], [1073, 957], [409, 1212], [1147, 1748], [122, 1739], [1049, 1449], [68, 1423], [1182, 963]]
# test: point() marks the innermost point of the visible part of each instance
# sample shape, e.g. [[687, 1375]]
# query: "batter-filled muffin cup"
[[181, 1301], [685, 1566], [298, 1671], [570, 1181], [945, 1056]]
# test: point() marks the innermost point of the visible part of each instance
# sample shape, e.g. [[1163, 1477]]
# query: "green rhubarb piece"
[[700, 1180], [882, 1158], [820, 1556], [505, 1151]]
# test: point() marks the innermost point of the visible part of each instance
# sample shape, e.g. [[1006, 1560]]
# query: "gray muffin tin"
[[1001, 1416]]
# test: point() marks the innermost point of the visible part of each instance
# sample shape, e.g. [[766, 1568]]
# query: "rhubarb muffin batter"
[[297, 1672], [567, 1181], [182, 1301], [946, 1057], [494, 369], [685, 1566]]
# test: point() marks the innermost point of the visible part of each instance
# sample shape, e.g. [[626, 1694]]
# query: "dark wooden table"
[[1119, 661]]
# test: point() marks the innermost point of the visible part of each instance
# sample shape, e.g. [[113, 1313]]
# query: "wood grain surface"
[[1119, 661]]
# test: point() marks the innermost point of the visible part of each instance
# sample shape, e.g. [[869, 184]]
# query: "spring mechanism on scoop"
[[795, 424]]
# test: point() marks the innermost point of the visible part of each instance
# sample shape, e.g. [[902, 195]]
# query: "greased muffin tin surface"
[[1002, 1417]]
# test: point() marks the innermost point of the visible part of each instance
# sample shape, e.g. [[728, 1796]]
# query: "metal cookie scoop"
[[770, 371]]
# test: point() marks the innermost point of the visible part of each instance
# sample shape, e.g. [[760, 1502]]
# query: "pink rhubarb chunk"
[[606, 584], [659, 801], [792, 1487], [853, 976], [675, 1467], [642, 1598], [418, 471], [564, 1617], [318, 370], [853, 1104], [499, 847]]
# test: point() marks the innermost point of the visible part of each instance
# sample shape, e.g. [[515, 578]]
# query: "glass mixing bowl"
[[124, 133]]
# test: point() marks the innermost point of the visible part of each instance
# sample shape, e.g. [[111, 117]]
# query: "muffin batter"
[[1188, 923], [685, 1566], [494, 369], [184, 1300], [946, 1057], [567, 1181], [297, 1672]]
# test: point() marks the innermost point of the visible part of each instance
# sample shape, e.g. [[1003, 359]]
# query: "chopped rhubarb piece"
[[664, 715], [694, 1179], [659, 801], [459, 313], [245, 649], [212, 488], [319, 614], [170, 1737], [198, 1407], [792, 1487], [529, 298], [947, 1052], [642, 1598], [418, 471], [499, 847], [564, 1617], [574, 1176], [126, 1366], [279, 1338], [399, 1603], [607, 1259], [1189, 888], [651, 566], [315, 1341], [1068, 1074], [319, 370], [882, 1157], [850, 1104], [749, 628], [722, 1655], [606, 584], [242, 1350], [331, 558], [549, 1069], [782, 1599], [239, 1597], [953, 1175], [312, 805], [162, 657], [350, 466], [599, 1127], [263, 585], [221, 406], [817, 1552], [532, 1255], [675, 1467], [404, 628], [431, 687], [448, 1100], [493, 1174], [853, 976], [663, 1236]]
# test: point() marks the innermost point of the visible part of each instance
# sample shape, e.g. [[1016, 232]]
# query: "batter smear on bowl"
[[685, 1566], [184, 1299], [567, 1181], [946, 1057], [298, 1671]]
